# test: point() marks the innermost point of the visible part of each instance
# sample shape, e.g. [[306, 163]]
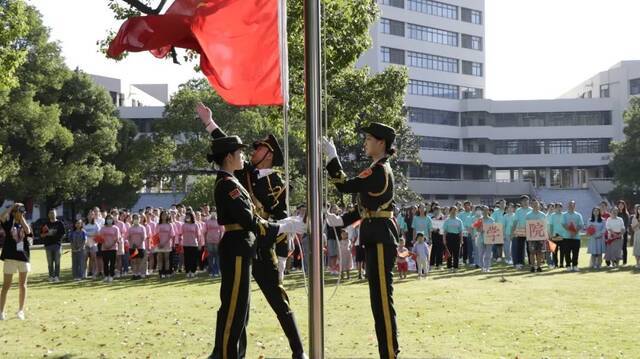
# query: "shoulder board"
[[366, 173]]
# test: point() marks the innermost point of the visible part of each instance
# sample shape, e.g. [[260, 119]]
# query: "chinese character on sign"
[[536, 230]]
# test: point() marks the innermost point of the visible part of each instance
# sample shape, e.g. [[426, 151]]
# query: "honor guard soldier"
[[268, 195], [378, 230]]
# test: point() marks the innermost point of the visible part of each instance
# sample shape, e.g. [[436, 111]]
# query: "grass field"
[[553, 314]]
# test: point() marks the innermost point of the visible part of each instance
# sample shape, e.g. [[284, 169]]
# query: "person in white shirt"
[[615, 228]]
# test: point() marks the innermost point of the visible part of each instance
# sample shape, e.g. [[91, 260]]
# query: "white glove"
[[206, 117], [334, 220], [291, 225], [265, 172], [329, 148]]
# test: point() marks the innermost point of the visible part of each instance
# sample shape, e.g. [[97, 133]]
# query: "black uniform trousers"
[[233, 314], [437, 251], [380, 260], [265, 273], [453, 246]]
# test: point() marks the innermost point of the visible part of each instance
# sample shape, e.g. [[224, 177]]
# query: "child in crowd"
[[595, 230], [190, 240], [166, 235], [346, 260], [421, 250], [111, 237], [403, 265], [78, 239], [136, 236]]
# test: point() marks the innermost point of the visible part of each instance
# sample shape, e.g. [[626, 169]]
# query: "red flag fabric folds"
[[238, 43]]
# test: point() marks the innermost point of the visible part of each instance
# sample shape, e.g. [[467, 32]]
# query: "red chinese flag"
[[238, 42], [99, 239], [240, 49], [179, 7], [134, 254], [205, 254], [591, 230], [152, 32]]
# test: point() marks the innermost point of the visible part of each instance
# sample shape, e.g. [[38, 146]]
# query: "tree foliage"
[[626, 162], [60, 136]]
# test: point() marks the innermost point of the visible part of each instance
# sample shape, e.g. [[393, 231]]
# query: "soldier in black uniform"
[[268, 194], [378, 231], [243, 227]]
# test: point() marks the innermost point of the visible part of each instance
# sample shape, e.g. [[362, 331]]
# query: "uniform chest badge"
[[235, 193], [366, 173]]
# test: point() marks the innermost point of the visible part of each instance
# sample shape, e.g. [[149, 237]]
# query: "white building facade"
[[474, 148]]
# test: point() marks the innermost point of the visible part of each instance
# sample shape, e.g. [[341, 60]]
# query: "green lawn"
[[467, 315]]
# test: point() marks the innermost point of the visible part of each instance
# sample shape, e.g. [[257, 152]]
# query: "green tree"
[[61, 139], [14, 25], [201, 192], [626, 162]]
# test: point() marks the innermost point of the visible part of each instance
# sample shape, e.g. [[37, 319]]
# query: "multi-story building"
[[480, 149], [144, 104]]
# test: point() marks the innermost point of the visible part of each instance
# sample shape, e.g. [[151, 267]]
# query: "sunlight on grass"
[[466, 315]]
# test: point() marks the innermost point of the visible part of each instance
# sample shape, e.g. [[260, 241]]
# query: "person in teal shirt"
[[467, 217], [536, 247], [484, 250], [556, 230], [573, 224], [421, 223], [452, 229], [509, 221], [520, 239], [498, 217], [402, 224]]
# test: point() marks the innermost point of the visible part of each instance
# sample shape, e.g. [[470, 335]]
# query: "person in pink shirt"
[[177, 255], [212, 234], [201, 259], [111, 238], [137, 237], [122, 263], [190, 238], [166, 235], [150, 226]]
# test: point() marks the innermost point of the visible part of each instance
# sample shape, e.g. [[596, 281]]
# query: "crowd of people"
[[120, 243], [456, 234]]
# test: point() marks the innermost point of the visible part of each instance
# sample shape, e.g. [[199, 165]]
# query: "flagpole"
[[314, 173]]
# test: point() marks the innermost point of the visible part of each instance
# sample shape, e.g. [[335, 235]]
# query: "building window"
[[434, 8], [471, 42], [429, 34], [537, 119], [432, 62], [470, 15], [604, 90], [434, 117], [392, 56], [439, 143], [394, 3], [472, 68], [392, 27], [434, 89], [471, 93], [433, 170], [634, 86]]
